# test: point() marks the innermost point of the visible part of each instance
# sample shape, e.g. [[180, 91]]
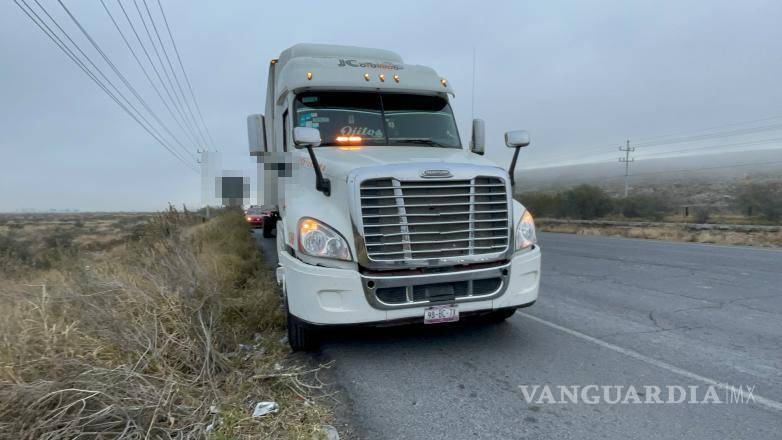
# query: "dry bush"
[[143, 342], [672, 233], [702, 214], [764, 199], [581, 202]]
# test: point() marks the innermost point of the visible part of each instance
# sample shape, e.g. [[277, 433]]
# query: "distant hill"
[[706, 178], [758, 165]]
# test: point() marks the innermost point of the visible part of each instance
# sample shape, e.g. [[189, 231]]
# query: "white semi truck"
[[382, 216]]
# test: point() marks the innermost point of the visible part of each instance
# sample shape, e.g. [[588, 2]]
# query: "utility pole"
[[627, 161], [211, 162], [204, 162]]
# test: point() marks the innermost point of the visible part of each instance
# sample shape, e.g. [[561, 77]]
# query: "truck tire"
[[301, 336], [268, 227], [500, 315]]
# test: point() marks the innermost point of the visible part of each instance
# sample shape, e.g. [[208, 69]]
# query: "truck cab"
[[382, 216]]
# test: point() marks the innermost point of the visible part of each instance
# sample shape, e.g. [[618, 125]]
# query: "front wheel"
[[301, 336], [268, 227]]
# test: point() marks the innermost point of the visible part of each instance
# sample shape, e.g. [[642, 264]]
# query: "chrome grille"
[[418, 220], [444, 291]]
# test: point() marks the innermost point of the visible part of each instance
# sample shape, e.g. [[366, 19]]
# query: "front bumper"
[[322, 295], [255, 222]]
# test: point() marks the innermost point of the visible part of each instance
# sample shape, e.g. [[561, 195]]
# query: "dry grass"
[[672, 233], [143, 341]]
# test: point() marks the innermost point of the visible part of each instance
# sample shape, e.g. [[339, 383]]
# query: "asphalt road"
[[611, 312]]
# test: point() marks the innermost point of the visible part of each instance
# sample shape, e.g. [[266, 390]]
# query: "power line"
[[124, 80], [712, 147], [581, 153], [732, 124], [52, 35], [146, 74], [189, 131], [165, 73], [700, 169], [690, 138], [137, 115], [728, 133], [184, 73], [173, 73]]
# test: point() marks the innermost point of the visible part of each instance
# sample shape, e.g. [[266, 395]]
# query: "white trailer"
[[382, 216]]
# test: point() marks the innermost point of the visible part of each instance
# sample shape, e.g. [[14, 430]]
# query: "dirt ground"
[[672, 233]]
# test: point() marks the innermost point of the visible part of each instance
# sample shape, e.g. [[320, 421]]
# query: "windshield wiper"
[[424, 141]]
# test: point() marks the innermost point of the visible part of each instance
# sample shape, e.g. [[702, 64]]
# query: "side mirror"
[[306, 137], [478, 140], [256, 134], [517, 138]]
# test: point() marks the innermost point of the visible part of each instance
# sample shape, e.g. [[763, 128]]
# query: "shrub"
[[141, 341], [763, 199], [542, 204], [701, 214], [646, 207], [584, 202]]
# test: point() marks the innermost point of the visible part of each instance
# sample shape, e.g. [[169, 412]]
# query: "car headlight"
[[525, 232], [319, 240]]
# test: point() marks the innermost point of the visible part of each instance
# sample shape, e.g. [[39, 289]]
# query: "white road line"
[[763, 401]]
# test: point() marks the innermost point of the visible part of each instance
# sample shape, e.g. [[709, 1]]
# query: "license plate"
[[438, 314]]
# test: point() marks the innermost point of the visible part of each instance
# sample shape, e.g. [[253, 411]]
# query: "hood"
[[338, 163]]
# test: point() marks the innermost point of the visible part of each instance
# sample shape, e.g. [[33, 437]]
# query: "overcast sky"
[[580, 77]]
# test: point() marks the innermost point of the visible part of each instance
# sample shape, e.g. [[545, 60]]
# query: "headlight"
[[318, 240], [525, 232]]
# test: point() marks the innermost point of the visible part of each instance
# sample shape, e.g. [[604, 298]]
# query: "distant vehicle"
[[254, 217], [382, 216]]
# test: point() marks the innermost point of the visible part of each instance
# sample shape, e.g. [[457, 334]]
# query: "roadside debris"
[[214, 411], [330, 431], [263, 408], [257, 350]]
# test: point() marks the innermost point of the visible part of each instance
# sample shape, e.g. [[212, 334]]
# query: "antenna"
[[472, 97]]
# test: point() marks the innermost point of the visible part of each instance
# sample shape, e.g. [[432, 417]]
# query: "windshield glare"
[[378, 118]]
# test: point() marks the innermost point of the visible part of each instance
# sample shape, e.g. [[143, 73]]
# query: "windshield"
[[378, 118]]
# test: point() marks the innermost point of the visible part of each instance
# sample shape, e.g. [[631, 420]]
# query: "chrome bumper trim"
[[409, 281]]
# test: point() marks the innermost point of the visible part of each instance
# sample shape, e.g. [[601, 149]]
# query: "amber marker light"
[[396, 78], [349, 139], [444, 82], [382, 78], [309, 75], [366, 77], [307, 226]]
